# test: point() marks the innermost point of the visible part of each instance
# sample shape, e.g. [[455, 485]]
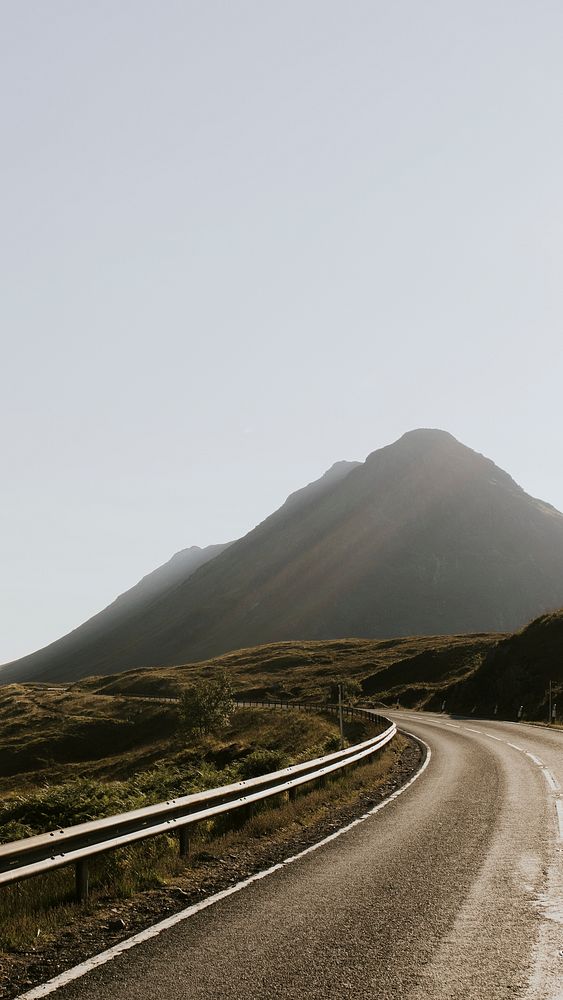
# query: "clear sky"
[[242, 240]]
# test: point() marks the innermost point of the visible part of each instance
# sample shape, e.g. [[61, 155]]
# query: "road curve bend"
[[453, 890]]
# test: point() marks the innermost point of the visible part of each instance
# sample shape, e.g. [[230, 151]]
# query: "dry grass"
[[414, 670], [472, 673]]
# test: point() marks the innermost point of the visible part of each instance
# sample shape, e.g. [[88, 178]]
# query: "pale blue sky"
[[243, 240]]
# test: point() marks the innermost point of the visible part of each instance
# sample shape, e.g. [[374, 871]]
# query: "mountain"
[[424, 537], [120, 628], [116, 625]]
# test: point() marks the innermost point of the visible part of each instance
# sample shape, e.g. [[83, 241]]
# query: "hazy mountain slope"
[[122, 628], [425, 537], [112, 627]]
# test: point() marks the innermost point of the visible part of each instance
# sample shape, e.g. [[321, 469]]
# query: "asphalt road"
[[453, 890]]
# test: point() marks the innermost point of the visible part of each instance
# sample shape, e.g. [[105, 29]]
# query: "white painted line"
[[106, 956], [490, 735], [559, 808], [480, 731], [514, 747], [452, 725], [535, 759], [550, 780]]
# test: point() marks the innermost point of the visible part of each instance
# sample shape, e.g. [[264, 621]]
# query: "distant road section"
[[453, 891]]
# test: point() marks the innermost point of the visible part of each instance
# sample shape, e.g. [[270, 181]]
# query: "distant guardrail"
[[77, 845]]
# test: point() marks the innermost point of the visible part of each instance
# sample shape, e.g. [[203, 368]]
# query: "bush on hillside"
[[262, 762], [207, 706]]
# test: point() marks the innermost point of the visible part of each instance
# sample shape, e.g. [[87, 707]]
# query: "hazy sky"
[[242, 240]]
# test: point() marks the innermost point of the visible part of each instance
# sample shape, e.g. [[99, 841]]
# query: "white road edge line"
[[535, 759], [106, 956], [550, 780], [559, 809], [515, 747]]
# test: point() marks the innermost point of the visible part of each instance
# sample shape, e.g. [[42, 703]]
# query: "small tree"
[[207, 705]]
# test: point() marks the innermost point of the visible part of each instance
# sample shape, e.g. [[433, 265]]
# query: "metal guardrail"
[[76, 845], [330, 708]]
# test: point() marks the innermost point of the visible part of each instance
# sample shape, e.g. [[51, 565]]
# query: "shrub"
[[262, 762], [207, 706]]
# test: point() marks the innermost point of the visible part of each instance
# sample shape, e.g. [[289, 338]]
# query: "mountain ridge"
[[425, 537]]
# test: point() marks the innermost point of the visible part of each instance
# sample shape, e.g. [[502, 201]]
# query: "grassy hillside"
[[69, 756], [471, 673], [517, 671], [414, 670], [49, 738]]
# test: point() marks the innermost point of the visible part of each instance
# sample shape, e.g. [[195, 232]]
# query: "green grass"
[[159, 762]]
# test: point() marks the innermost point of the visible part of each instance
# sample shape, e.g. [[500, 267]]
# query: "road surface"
[[453, 890]]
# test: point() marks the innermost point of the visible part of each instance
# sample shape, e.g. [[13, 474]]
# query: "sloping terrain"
[[516, 672], [478, 672], [122, 627], [414, 671], [52, 736], [426, 537]]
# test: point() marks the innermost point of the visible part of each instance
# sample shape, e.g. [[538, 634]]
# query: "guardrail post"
[[292, 794], [184, 841], [81, 880]]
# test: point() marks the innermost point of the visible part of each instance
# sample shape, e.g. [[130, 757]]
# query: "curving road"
[[453, 890]]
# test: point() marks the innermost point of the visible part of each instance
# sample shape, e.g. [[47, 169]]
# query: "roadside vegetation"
[[60, 767]]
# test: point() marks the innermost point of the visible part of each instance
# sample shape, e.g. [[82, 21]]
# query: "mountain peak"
[[418, 445], [430, 435]]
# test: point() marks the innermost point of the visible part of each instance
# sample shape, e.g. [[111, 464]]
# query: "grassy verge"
[[254, 742]]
